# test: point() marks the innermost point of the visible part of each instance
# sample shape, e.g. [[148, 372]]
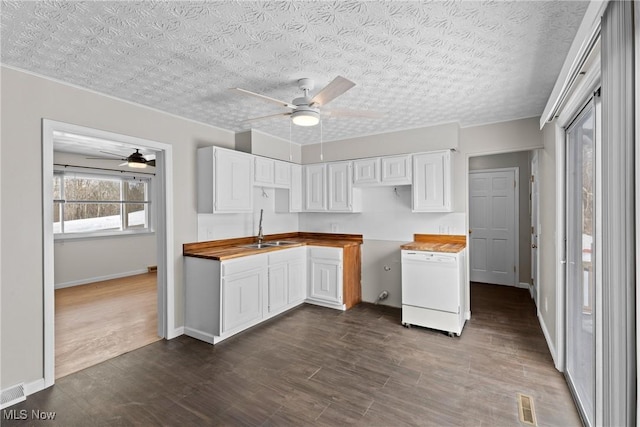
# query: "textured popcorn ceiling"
[[419, 63]]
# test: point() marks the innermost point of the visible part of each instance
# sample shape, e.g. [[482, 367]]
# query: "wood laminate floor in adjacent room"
[[102, 320], [317, 366]]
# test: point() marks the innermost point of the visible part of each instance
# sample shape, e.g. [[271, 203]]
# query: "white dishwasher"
[[433, 293]]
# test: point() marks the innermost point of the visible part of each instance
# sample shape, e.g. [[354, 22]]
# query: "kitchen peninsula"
[[234, 284]]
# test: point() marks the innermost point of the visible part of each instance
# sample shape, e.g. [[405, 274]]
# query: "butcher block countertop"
[[436, 243], [221, 250]]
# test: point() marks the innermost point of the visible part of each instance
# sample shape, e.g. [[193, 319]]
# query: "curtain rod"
[[105, 169]]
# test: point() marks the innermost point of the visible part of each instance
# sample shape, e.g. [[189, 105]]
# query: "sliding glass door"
[[581, 247]]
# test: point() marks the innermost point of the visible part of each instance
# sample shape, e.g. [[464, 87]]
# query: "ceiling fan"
[[135, 160], [305, 110]]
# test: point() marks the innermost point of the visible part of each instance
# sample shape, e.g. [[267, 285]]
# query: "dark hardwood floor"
[[318, 366]]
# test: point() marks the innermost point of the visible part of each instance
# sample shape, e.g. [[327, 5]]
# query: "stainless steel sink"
[[280, 243], [258, 246]]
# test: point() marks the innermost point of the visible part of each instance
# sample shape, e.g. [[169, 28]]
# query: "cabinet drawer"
[[325, 252], [287, 255], [243, 264]]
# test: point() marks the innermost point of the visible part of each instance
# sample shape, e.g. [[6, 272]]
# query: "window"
[[97, 205]]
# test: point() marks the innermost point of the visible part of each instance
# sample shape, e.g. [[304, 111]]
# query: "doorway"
[[164, 232], [493, 224]]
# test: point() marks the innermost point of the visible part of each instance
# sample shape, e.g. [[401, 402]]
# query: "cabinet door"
[[282, 174], [242, 298], [315, 188], [340, 186], [295, 192], [233, 182], [264, 171], [297, 281], [396, 170], [432, 182], [277, 298], [366, 171], [326, 280]]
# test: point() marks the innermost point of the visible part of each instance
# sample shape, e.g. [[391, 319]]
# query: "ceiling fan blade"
[[151, 163], [255, 119], [353, 113], [105, 158], [337, 87], [123, 164], [264, 97]]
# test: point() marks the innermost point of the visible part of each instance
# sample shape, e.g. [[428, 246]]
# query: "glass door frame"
[[593, 103]]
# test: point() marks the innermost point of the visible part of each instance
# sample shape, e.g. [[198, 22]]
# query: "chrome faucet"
[[260, 235]]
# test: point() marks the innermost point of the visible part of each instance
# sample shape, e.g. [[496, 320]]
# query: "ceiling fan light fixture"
[[305, 117], [136, 160], [136, 164]]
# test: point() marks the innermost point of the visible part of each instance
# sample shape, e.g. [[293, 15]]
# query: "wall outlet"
[[334, 227]]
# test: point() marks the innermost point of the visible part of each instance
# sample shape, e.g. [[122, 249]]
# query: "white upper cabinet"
[[290, 199], [264, 171], [340, 186], [366, 171], [432, 182], [396, 170], [282, 174], [295, 192], [225, 181], [315, 189]]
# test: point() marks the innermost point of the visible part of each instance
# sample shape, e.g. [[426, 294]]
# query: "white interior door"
[[535, 224], [492, 226]]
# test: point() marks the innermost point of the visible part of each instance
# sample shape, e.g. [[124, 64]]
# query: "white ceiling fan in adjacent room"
[[306, 110]]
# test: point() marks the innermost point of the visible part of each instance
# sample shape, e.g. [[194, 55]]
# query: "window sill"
[[100, 235]]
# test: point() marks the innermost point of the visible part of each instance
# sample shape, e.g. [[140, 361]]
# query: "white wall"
[[26, 100], [547, 239], [227, 226], [522, 161], [262, 144]]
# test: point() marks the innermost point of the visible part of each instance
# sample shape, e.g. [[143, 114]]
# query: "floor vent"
[[526, 411], [12, 395]]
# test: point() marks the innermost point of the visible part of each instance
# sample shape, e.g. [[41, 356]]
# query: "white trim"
[[34, 386], [164, 230], [589, 83], [587, 33], [547, 338], [523, 285], [99, 278]]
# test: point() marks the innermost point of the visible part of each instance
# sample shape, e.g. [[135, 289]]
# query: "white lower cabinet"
[[242, 299], [223, 298], [297, 284], [325, 277]]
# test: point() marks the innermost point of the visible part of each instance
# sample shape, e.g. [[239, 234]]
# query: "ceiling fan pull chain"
[[321, 151]]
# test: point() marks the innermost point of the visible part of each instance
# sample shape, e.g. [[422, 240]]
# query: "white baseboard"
[[547, 337], [34, 387], [176, 333], [99, 278], [523, 285]]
